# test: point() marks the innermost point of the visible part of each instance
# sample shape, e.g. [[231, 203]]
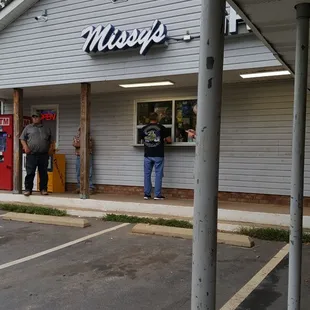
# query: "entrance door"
[[49, 115]]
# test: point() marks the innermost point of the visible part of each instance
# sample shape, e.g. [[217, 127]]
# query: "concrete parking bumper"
[[46, 219], [185, 233]]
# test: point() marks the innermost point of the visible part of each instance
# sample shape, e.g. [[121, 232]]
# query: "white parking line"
[[60, 247], [245, 291]]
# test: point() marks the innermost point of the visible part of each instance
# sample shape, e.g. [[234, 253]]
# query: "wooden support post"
[[84, 140], [18, 127]]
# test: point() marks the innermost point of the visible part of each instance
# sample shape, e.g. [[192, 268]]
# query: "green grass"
[[146, 220], [271, 234], [32, 210]]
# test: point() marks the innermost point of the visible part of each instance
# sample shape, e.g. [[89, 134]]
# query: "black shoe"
[[147, 197], [159, 198]]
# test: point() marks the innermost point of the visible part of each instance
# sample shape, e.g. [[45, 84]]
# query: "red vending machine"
[[6, 150]]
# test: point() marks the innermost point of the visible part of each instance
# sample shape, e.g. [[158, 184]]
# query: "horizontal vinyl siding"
[[255, 140], [45, 53]]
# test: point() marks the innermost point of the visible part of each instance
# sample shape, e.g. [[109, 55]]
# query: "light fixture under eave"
[[147, 84], [264, 74]]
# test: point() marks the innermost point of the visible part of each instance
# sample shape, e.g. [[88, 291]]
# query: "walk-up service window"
[[162, 108], [185, 119], [177, 115]]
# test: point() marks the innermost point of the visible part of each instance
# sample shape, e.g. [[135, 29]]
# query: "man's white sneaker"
[[159, 198]]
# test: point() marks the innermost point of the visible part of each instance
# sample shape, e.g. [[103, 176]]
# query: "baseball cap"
[[35, 114]]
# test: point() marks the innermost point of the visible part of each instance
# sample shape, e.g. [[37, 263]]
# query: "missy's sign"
[[109, 38]]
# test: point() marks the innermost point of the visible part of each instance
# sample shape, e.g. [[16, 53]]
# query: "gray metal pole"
[[298, 154], [207, 155]]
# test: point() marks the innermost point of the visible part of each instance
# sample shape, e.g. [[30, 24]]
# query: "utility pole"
[[207, 155], [298, 154]]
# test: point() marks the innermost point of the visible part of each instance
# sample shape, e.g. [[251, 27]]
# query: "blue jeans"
[[78, 168], [149, 163]]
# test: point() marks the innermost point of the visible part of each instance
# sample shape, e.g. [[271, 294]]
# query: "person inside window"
[[167, 118], [154, 136], [191, 132]]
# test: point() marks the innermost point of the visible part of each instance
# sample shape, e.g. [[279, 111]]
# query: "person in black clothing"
[[37, 143], [154, 135]]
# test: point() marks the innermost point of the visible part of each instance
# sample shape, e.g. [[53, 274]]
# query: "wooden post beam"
[[18, 127], [84, 140]]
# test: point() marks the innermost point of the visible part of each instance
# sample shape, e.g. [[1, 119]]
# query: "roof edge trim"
[[257, 32]]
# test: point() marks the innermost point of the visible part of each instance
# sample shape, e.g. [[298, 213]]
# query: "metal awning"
[[283, 25], [274, 22]]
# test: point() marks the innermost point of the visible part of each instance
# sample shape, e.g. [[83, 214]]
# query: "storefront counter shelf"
[[182, 144]]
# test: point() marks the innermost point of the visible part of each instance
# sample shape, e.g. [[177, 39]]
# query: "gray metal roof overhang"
[[274, 22]]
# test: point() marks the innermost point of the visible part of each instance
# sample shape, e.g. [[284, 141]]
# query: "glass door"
[[49, 116]]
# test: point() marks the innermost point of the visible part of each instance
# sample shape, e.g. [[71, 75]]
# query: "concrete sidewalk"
[[240, 214]]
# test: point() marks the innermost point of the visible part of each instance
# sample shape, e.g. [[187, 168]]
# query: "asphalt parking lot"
[[118, 270]]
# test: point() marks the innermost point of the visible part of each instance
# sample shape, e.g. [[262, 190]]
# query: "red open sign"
[[48, 116]]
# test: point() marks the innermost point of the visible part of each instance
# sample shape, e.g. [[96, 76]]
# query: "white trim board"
[[154, 209]]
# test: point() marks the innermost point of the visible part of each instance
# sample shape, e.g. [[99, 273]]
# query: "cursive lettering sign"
[[103, 39]]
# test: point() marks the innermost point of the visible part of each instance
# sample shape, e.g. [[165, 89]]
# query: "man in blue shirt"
[[154, 135]]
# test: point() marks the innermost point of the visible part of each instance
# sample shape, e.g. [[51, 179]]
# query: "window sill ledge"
[[175, 144]]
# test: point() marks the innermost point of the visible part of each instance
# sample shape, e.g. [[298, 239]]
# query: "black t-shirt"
[[154, 135]]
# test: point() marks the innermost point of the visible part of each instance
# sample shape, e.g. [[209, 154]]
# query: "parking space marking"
[[60, 247], [247, 289]]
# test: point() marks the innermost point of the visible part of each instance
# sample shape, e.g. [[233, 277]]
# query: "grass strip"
[[271, 234], [147, 220], [32, 210]]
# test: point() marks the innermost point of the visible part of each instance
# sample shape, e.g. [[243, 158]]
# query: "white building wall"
[[255, 139], [46, 53]]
